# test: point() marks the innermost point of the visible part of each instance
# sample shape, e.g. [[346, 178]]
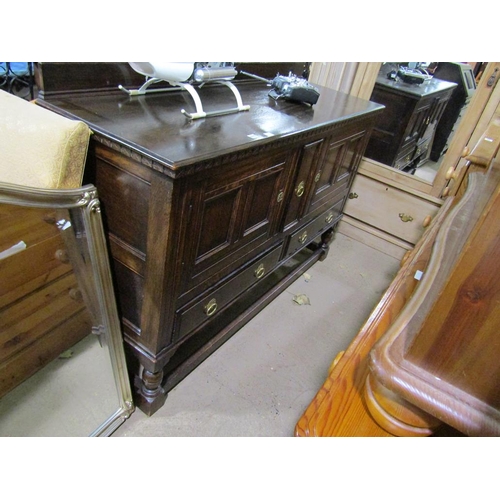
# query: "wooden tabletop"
[[154, 125]]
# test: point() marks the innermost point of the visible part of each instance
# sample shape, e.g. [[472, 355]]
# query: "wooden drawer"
[[206, 308], [37, 265], [309, 232], [26, 362], [29, 319], [390, 209], [405, 157]]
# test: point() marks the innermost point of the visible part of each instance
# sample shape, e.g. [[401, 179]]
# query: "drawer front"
[[309, 232], [34, 267], [28, 320], [389, 209], [207, 308]]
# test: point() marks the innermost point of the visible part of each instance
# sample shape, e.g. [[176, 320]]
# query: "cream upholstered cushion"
[[39, 148]]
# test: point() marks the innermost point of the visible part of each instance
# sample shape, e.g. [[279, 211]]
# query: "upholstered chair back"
[[40, 148]]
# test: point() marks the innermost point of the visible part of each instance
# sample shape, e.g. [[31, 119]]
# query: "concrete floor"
[[262, 379], [257, 384]]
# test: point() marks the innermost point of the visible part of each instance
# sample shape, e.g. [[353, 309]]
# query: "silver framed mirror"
[[62, 366]]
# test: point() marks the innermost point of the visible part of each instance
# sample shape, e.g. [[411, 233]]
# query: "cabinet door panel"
[[233, 215], [339, 165], [260, 204], [218, 222], [307, 165]]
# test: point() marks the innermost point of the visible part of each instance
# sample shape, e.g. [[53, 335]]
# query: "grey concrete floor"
[[257, 384], [262, 379]]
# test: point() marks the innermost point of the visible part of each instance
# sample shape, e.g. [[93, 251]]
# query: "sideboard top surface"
[[429, 87], [154, 126]]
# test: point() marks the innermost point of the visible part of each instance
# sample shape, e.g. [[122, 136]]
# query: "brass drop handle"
[[281, 195], [353, 195], [318, 177], [210, 307], [405, 218], [260, 271], [329, 218], [299, 191], [303, 237]]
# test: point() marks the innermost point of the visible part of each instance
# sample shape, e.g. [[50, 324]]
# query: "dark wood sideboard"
[[209, 220]]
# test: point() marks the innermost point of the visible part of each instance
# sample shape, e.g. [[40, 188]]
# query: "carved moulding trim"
[[188, 167]]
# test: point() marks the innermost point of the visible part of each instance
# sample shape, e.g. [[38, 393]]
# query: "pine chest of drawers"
[[209, 220]]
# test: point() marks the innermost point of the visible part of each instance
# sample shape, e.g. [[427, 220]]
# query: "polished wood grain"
[[442, 354], [389, 382], [339, 408], [209, 220]]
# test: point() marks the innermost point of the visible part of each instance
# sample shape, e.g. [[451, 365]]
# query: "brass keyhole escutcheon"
[[318, 177], [210, 307], [329, 218], [281, 195], [300, 189], [353, 195], [260, 271], [405, 218], [303, 237]]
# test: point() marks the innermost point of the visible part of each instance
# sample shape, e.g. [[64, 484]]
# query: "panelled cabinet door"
[[418, 122], [232, 209], [309, 158], [335, 172]]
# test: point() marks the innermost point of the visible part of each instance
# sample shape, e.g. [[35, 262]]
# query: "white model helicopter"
[[184, 75]]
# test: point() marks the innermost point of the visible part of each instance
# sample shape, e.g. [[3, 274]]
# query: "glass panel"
[[62, 365]]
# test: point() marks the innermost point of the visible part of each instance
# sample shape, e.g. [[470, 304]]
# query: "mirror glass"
[[425, 102], [62, 366]]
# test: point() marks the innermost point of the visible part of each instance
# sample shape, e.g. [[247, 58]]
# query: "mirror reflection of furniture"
[[404, 136], [59, 327], [381, 193]]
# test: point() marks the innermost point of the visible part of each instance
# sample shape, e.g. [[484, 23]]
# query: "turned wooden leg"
[[326, 239], [150, 395], [396, 415]]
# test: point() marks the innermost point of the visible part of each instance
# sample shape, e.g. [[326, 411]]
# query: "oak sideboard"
[[209, 220]]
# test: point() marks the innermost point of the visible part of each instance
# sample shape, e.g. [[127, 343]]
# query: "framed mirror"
[[359, 79], [62, 364]]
